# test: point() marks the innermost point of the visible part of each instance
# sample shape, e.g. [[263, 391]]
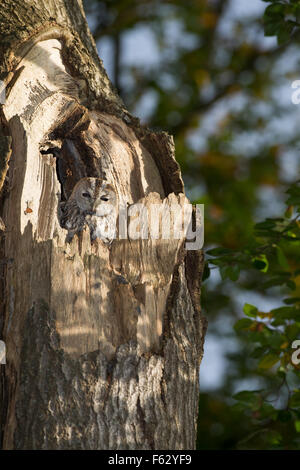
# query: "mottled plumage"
[[93, 202]]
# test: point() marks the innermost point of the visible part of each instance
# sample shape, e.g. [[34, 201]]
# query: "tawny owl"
[[93, 202]]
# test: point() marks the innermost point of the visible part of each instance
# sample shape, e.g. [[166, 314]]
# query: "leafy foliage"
[[281, 18], [271, 334]]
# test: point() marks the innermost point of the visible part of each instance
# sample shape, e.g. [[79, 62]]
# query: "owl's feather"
[[92, 202], [103, 227]]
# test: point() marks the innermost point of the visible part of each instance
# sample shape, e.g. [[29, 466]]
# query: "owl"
[[93, 202]]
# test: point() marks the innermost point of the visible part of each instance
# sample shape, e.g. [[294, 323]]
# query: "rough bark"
[[103, 342]]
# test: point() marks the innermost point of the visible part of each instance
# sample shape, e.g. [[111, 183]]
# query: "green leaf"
[[297, 425], [266, 225], [291, 284], [289, 212], [258, 352], [271, 28], [292, 331], [284, 416], [282, 314], [268, 411], [230, 272], [285, 32], [282, 258], [219, 251], [234, 272], [250, 310], [260, 262], [295, 400], [249, 398], [268, 361], [206, 272], [282, 279], [243, 324], [294, 195], [276, 9], [292, 300], [274, 437], [276, 339]]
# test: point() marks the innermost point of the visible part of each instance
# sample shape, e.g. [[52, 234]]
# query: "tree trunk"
[[103, 342]]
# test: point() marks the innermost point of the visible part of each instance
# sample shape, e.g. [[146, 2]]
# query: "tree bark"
[[103, 343]]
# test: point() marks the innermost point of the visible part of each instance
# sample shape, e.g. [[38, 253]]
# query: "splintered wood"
[[100, 296]]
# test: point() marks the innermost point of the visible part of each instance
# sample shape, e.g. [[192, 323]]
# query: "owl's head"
[[95, 196]]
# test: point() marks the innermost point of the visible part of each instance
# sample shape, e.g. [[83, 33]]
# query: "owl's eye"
[[86, 195], [103, 198]]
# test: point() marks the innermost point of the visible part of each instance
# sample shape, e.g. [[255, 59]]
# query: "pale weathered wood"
[[102, 341]]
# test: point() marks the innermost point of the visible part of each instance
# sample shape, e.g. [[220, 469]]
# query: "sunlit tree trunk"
[[103, 342]]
